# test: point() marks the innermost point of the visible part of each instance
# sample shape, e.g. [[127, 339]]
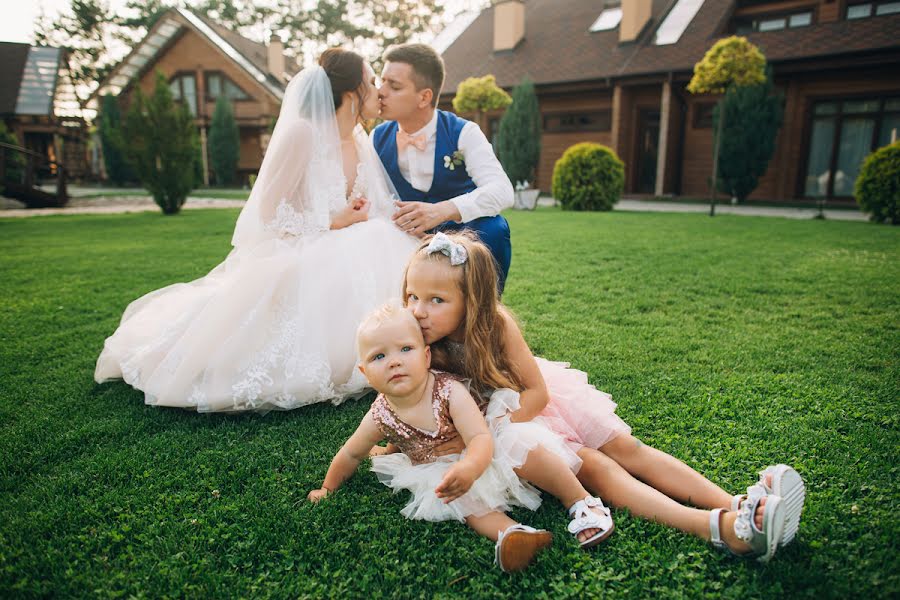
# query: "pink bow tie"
[[404, 140]]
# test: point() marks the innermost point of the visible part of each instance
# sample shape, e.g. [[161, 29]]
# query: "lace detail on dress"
[[284, 352], [359, 184], [287, 221]]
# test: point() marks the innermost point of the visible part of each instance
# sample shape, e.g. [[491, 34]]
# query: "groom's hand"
[[416, 218]]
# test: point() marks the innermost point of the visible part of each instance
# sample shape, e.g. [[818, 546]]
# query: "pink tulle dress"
[[577, 411]]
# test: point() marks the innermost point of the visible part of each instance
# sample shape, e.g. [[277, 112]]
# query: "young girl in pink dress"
[[418, 409], [450, 287]]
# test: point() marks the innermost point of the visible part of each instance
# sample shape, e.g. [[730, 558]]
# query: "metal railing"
[[25, 190]]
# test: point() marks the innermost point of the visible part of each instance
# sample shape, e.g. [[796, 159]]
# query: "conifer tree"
[[224, 142], [753, 115], [519, 146], [117, 169]]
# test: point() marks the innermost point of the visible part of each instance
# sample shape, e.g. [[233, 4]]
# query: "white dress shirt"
[[494, 192]]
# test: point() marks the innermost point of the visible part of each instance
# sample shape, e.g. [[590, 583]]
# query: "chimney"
[[275, 51], [635, 14], [509, 24]]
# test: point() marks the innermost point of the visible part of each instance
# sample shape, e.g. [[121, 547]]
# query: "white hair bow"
[[441, 243]]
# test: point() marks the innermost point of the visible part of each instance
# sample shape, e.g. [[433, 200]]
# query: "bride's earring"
[[353, 108]]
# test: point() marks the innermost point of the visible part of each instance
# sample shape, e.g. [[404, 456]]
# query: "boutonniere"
[[454, 160]]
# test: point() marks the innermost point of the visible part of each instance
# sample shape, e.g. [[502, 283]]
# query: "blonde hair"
[[484, 325], [389, 311]]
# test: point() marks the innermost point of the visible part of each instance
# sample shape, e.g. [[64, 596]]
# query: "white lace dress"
[[273, 326]]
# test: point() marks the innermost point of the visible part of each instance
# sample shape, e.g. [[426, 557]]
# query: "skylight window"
[[681, 15], [38, 81], [608, 19]]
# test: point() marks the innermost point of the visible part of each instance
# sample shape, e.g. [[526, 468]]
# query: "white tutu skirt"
[[498, 488], [272, 327]]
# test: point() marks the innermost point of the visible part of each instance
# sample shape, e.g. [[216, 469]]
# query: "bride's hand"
[[355, 212]]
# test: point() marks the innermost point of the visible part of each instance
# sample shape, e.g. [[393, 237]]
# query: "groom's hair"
[[426, 63]]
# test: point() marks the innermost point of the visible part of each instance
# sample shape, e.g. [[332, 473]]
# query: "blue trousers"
[[494, 233]]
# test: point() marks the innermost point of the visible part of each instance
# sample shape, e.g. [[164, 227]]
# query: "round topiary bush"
[[588, 177], [878, 185]]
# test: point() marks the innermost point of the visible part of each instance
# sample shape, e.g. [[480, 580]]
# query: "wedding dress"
[[274, 325]]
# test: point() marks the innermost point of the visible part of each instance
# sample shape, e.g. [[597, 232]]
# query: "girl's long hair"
[[485, 362]]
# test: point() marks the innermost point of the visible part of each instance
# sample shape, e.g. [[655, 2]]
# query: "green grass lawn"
[[731, 343]]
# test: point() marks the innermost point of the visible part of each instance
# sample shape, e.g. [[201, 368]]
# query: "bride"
[[273, 326]]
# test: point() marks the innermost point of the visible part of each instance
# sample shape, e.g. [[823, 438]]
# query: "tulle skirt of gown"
[[498, 488], [577, 411], [272, 327]]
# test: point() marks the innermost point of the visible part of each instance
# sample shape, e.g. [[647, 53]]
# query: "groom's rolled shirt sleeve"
[[494, 192]]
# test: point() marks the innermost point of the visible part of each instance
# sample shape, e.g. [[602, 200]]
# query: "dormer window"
[[609, 18], [218, 84], [763, 23], [872, 9]]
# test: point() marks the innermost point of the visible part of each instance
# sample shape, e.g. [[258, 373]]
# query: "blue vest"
[[445, 184]]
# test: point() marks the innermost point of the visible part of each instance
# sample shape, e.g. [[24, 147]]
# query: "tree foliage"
[[479, 95], [753, 116], [161, 145], [588, 176], [110, 128], [90, 30], [519, 145], [224, 142], [877, 188], [730, 61]]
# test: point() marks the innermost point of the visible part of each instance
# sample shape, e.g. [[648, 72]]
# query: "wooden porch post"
[[663, 142], [203, 153]]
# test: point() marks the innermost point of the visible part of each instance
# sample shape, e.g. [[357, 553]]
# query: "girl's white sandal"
[[788, 485], [763, 542], [517, 545], [584, 518]]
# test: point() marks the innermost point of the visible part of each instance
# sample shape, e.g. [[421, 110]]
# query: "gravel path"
[[130, 204], [108, 205]]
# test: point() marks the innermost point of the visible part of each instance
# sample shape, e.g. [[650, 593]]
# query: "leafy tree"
[[14, 162], [479, 95], [162, 146], [731, 61], [224, 142], [89, 28], [110, 126], [753, 115], [519, 146]]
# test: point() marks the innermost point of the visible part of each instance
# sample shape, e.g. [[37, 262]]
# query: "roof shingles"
[[558, 48]]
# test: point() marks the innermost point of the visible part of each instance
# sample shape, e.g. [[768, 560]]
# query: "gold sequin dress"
[[419, 471]]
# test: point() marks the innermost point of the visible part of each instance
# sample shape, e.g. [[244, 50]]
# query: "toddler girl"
[[418, 409], [455, 302]]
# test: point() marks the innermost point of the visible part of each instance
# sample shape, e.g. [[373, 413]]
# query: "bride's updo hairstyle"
[[345, 72], [484, 323]]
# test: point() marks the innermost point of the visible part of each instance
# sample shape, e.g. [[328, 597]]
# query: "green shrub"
[[162, 146], [878, 185], [588, 177]]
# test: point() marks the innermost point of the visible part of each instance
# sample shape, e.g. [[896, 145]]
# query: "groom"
[[442, 166]]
